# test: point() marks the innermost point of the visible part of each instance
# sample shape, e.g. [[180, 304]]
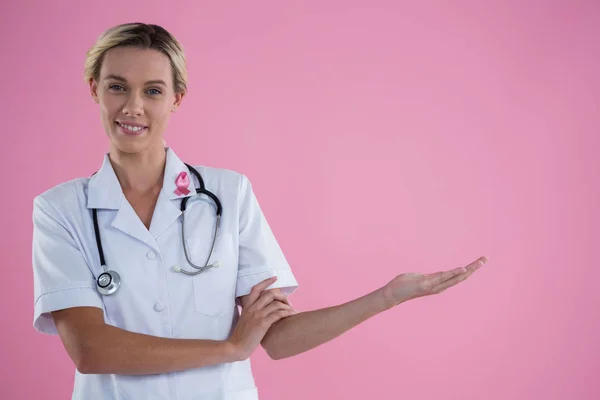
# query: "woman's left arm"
[[307, 330]]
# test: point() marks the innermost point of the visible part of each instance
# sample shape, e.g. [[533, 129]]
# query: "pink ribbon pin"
[[182, 182]]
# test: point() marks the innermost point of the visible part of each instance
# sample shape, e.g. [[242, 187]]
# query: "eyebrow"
[[120, 78]]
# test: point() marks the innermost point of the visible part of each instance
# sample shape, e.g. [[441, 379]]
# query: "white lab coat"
[[153, 299]]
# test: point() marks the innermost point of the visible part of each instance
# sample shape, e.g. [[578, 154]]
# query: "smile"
[[132, 130]]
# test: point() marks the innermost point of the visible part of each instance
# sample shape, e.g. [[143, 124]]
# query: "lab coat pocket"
[[214, 288]]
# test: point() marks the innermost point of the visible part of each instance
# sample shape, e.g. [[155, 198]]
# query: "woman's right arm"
[[98, 348]]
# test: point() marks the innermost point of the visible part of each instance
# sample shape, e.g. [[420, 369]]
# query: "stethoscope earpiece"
[[108, 282]]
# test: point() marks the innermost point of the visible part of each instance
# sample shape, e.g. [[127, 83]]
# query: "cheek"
[[159, 116], [105, 115], [109, 111], [108, 108]]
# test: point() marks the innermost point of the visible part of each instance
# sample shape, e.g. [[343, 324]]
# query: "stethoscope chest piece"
[[108, 282]]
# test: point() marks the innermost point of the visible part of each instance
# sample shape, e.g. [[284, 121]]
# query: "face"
[[136, 97]]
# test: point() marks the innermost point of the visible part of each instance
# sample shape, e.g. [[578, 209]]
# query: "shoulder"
[[223, 178], [62, 199]]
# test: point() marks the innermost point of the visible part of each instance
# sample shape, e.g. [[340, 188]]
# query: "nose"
[[133, 105]]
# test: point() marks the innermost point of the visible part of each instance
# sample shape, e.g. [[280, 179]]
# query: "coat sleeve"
[[260, 255], [61, 276]]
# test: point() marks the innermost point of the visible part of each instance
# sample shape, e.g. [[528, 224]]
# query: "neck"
[[139, 172]]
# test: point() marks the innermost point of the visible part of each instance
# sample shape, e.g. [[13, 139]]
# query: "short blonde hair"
[[145, 36]]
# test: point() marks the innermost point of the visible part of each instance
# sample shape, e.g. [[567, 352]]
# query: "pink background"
[[381, 137]]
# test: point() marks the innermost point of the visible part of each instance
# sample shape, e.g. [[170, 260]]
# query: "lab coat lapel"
[[168, 206], [130, 223], [105, 193]]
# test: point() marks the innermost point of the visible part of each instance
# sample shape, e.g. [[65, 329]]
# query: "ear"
[[94, 90], [178, 100]]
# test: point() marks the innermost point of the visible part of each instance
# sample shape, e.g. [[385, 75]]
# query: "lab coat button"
[[151, 255], [158, 307]]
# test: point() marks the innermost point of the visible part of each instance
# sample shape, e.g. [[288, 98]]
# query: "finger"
[[276, 316], [257, 289], [282, 296], [274, 307], [475, 265], [452, 282], [440, 277], [268, 296], [469, 270]]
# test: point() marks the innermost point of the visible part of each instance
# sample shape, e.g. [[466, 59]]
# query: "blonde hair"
[[145, 36]]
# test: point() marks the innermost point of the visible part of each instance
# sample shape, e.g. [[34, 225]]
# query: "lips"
[[130, 128]]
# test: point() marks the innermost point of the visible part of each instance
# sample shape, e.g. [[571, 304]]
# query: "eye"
[[156, 91], [115, 87]]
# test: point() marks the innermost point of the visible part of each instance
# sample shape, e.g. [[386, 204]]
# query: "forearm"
[[304, 331], [116, 351]]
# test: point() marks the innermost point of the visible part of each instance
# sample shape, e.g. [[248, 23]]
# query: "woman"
[[146, 301]]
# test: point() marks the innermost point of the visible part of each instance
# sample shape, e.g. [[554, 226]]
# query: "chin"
[[134, 145], [129, 146]]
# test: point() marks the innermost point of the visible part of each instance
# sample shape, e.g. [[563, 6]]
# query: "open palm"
[[408, 286]]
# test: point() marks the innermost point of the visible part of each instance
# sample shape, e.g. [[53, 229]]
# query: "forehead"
[[136, 65]]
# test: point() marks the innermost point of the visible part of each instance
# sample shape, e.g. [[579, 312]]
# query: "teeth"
[[132, 128]]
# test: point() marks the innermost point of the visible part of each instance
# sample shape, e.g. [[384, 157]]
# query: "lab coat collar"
[[105, 192], [104, 189], [173, 168], [167, 208]]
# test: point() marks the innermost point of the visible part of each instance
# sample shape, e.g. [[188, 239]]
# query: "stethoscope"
[[109, 281]]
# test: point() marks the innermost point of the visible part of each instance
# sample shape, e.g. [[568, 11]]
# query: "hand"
[[261, 309], [409, 286]]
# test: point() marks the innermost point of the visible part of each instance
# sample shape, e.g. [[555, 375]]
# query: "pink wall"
[[381, 138]]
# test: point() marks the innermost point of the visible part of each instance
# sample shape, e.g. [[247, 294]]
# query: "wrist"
[[232, 351], [387, 298]]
